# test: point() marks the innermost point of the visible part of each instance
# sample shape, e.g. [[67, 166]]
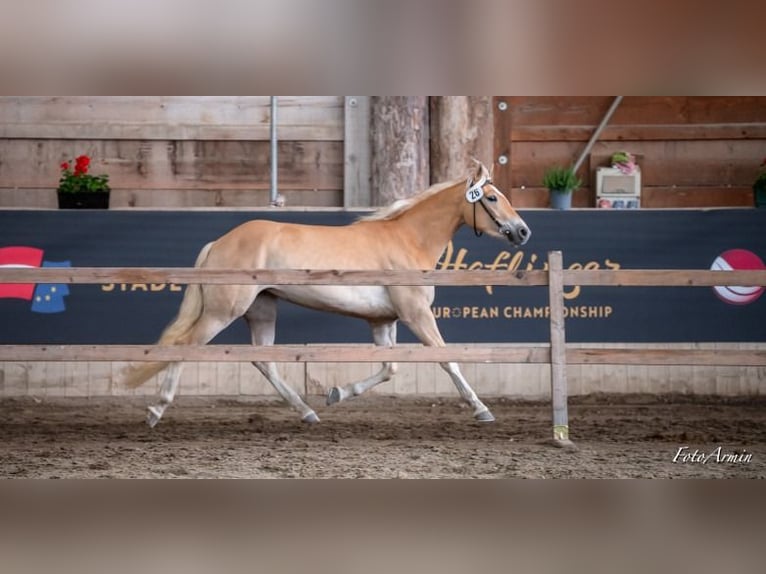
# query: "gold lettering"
[[156, 287], [108, 288], [175, 288], [139, 287]]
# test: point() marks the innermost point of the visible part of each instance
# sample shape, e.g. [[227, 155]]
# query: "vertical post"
[[274, 153], [400, 147], [558, 351], [357, 188]]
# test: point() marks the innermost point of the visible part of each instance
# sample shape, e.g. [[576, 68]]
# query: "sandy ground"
[[379, 437]]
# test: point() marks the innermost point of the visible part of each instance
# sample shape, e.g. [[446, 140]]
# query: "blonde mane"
[[399, 207]]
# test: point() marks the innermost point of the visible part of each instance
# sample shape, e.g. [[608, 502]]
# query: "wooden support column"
[[461, 129], [559, 390], [400, 147], [357, 153]]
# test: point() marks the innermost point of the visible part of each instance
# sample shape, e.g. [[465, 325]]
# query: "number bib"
[[475, 194]]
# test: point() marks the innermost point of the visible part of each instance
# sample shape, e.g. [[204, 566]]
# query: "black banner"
[[592, 239]]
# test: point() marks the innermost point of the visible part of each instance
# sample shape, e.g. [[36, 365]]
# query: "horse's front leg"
[[414, 307], [384, 335]]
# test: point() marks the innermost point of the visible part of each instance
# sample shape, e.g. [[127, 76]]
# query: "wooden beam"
[[269, 277], [641, 132], [460, 278], [504, 354], [461, 131], [559, 390], [663, 278], [302, 118], [358, 153], [400, 147], [667, 357]]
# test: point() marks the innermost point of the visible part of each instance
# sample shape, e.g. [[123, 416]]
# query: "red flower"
[[82, 165], [65, 166]]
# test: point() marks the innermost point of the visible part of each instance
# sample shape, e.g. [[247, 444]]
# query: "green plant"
[[561, 180], [76, 179], [760, 181]]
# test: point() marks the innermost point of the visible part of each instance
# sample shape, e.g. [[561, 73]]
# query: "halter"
[[474, 195]]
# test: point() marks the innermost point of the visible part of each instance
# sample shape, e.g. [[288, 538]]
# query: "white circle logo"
[[738, 260]]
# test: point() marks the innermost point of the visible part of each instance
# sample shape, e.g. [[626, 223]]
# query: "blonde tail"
[[191, 310]]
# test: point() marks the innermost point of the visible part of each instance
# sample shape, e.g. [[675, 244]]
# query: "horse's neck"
[[432, 223]]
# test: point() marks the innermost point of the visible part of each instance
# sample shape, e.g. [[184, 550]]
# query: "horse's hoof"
[[154, 416], [311, 419], [333, 397], [484, 417]]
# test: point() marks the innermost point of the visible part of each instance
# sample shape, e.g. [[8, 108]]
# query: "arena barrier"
[[557, 353]]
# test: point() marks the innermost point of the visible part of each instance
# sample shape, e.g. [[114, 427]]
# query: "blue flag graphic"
[[50, 298]]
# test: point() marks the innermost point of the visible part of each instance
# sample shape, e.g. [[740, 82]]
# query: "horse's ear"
[[479, 170]]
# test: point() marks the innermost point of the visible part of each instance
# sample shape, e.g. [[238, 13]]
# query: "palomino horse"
[[410, 234]]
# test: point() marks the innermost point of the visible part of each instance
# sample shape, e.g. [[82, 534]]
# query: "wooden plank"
[[665, 278], [559, 391], [358, 153], [208, 276], [619, 277], [307, 118], [696, 197], [279, 354], [633, 133], [637, 110], [667, 357], [180, 198], [160, 165]]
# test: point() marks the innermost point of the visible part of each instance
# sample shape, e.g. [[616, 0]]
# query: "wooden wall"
[[174, 151], [523, 381], [694, 151]]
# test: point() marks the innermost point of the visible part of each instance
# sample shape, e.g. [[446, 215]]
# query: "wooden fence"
[[558, 354]]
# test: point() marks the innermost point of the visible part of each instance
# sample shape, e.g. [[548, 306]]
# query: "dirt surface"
[[380, 438]]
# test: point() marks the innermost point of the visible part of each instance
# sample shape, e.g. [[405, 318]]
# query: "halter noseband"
[[476, 190]]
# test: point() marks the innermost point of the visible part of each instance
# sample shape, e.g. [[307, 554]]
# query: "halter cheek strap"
[[476, 191]]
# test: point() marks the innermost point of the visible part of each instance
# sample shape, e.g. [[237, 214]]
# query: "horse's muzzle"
[[517, 234]]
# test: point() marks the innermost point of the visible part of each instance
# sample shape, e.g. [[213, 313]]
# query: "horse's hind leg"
[[262, 318], [384, 335], [212, 321], [167, 394]]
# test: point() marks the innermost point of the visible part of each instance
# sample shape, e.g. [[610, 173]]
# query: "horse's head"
[[488, 210]]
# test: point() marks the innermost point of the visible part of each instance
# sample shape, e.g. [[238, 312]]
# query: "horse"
[[410, 234]]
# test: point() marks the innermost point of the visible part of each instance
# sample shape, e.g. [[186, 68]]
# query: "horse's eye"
[[492, 198]]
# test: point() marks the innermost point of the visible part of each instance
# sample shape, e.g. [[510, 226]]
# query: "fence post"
[[558, 351]]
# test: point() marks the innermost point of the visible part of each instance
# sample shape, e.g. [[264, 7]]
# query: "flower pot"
[[561, 199], [759, 195], [84, 200]]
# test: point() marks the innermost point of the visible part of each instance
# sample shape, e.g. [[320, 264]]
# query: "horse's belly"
[[367, 302]]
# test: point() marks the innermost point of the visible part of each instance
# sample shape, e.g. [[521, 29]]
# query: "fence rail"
[[558, 354], [460, 278]]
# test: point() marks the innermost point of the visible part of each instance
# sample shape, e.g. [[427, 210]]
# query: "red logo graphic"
[[19, 257], [45, 298], [738, 260]]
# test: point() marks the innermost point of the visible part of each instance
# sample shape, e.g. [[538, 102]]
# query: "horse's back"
[[270, 244]]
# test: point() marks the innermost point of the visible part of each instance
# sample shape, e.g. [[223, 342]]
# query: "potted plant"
[[80, 190], [759, 187], [562, 182]]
